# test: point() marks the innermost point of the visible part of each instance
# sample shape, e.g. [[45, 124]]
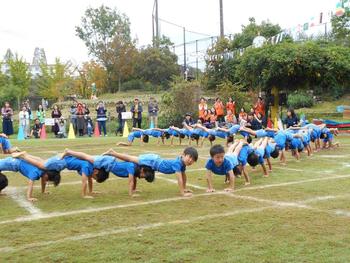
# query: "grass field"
[[300, 213]]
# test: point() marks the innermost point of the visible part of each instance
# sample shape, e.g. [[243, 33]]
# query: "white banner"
[[126, 115], [49, 122]]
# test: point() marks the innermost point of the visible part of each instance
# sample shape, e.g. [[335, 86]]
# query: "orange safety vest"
[[232, 107], [219, 109]]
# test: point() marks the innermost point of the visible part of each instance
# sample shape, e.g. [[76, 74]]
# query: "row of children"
[[270, 143]]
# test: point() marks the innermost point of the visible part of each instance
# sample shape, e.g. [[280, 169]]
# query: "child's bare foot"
[[18, 154], [266, 175], [64, 154], [32, 199], [88, 197], [188, 191], [108, 152]]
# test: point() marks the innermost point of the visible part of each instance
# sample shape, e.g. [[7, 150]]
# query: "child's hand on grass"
[[32, 199], [229, 190], [210, 190], [187, 194]]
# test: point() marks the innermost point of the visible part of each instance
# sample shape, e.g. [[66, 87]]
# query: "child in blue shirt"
[[121, 169], [174, 166], [223, 164], [31, 172], [58, 163], [136, 133]]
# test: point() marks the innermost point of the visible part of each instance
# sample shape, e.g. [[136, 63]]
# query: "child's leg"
[[121, 156], [33, 160], [124, 143], [79, 155], [246, 176], [232, 148], [250, 131]]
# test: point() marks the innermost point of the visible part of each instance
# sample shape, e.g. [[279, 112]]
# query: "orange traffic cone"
[[96, 131], [43, 132]]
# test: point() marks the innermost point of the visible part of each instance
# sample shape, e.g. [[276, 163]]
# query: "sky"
[[48, 24]]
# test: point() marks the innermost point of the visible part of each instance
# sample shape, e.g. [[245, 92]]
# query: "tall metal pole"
[[221, 20], [153, 40], [197, 59], [185, 66], [157, 23]]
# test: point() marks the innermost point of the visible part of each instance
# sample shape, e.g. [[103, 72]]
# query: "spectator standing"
[[136, 110], [40, 114], [7, 124], [89, 125], [120, 107], [73, 115], [153, 112], [56, 115], [23, 118], [231, 106], [219, 109], [80, 113], [36, 130], [259, 107], [101, 118], [202, 107]]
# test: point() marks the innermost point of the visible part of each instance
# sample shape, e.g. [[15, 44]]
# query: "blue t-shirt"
[[133, 135], [104, 161], [79, 165], [173, 132], [243, 154], [123, 169], [56, 164], [151, 160], [262, 133], [186, 132], [260, 152], [221, 134], [223, 169], [296, 144], [9, 164], [328, 133], [280, 139], [171, 166], [270, 147], [30, 171], [5, 143], [233, 159], [234, 129]]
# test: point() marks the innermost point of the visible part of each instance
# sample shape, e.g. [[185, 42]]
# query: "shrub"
[[300, 100]]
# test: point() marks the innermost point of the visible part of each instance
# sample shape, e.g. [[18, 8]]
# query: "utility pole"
[[185, 66], [157, 23], [221, 20]]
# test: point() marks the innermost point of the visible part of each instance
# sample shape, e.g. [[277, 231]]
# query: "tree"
[[341, 28], [106, 34], [19, 79], [157, 65], [92, 72], [55, 82]]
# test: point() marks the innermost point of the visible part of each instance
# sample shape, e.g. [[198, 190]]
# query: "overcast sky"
[[50, 24]]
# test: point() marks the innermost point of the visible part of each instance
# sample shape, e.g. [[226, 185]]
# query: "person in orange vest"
[[213, 118], [206, 118], [202, 106], [231, 106], [230, 119], [219, 109], [259, 107]]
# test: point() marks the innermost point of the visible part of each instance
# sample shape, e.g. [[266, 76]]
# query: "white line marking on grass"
[[288, 169], [293, 183], [114, 231], [324, 198], [175, 182], [99, 209], [19, 198], [333, 156]]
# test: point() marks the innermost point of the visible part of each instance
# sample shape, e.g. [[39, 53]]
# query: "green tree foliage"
[[219, 68], [106, 34], [182, 97], [291, 66], [299, 99], [226, 90], [14, 86], [157, 65], [341, 28], [55, 82]]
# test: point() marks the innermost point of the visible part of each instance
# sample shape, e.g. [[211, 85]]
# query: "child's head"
[[146, 172], [274, 154], [249, 139], [195, 137], [36, 121], [323, 135], [182, 135], [253, 159], [236, 170], [100, 175], [145, 138], [54, 176], [189, 156], [217, 154], [211, 138], [3, 181], [166, 135], [229, 138]]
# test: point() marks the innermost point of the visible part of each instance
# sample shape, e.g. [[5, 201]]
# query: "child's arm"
[[79, 155], [223, 129], [137, 129], [210, 188], [269, 164], [180, 181], [122, 156], [184, 181], [90, 184], [84, 181], [3, 135], [43, 185], [124, 144], [231, 181], [30, 191], [264, 170]]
